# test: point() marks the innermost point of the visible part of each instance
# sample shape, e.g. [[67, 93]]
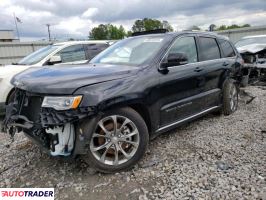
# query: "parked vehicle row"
[[76, 52], [106, 111]]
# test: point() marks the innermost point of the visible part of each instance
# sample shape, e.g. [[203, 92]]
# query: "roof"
[[84, 42], [6, 30], [253, 36], [207, 33]]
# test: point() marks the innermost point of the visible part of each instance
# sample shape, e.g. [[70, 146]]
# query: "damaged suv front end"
[[50, 114]]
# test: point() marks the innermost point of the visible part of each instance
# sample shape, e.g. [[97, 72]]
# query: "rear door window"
[[72, 53], [209, 49], [227, 49], [93, 49]]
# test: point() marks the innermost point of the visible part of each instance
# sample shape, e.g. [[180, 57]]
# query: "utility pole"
[[49, 34], [15, 20]]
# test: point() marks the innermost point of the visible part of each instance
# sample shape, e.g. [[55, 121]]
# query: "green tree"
[[138, 26], [122, 32], [148, 24], [222, 27], [233, 26], [108, 32], [167, 25], [99, 33], [246, 25]]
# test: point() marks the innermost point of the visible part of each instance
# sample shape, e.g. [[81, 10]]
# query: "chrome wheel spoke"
[[232, 105], [130, 142], [233, 98], [103, 128], [100, 147], [123, 152], [135, 132], [105, 152], [123, 125], [116, 155], [99, 135], [114, 118]]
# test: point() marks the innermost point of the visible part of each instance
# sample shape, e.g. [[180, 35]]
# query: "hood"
[[65, 79], [252, 48], [12, 70]]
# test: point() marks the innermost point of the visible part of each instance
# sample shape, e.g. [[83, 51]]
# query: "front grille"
[[29, 105], [33, 108]]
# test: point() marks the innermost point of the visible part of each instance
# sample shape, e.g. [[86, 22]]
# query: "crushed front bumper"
[[26, 114]]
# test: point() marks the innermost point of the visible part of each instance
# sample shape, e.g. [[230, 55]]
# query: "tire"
[[245, 81], [230, 97], [112, 159]]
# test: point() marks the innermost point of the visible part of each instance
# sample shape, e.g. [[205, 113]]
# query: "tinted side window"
[[93, 49], [209, 49], [72, 53], [187, 46], [227, 48]]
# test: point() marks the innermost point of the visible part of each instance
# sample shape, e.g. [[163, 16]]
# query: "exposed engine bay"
[[253, 51], [255, 66]]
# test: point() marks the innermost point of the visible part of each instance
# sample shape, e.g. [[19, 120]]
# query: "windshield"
[[248, 41], [38, 55], [131, 51]]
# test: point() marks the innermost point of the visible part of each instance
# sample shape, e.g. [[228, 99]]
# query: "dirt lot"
[[216, 157]]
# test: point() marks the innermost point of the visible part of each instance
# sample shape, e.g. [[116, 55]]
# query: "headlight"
[[61, 103]]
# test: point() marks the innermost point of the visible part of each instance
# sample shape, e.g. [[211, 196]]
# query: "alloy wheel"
[[115, 140]]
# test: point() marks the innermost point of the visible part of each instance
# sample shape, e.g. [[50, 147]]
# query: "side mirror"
[[54, 60], [175, 59]]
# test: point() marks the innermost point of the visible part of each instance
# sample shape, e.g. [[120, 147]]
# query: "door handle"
[[225, 63], [198, 69]]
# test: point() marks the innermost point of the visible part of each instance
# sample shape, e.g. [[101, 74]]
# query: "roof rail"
[[155, 31]]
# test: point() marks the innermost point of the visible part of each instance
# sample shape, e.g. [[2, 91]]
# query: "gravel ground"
[[215, 157]]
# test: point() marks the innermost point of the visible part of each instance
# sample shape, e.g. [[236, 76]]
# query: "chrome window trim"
[[189, 35]]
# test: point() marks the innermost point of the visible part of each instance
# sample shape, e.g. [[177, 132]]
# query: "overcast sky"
[[77, 17]]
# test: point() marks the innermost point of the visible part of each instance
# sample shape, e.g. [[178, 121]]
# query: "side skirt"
[[182, 121]]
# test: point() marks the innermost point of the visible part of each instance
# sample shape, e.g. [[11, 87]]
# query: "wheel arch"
[[226, 76], [9, 95], [137, 104]]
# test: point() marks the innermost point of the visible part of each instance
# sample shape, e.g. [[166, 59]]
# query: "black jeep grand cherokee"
[[107, 110]]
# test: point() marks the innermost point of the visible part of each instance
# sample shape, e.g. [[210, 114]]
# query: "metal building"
[[12, 52], [236, 34], [7, 36]]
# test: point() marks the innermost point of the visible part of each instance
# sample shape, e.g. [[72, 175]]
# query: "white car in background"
[[74, 52]]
